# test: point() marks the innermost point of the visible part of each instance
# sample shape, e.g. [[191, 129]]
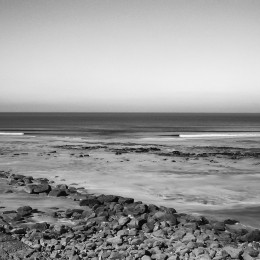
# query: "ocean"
[[125, 124]]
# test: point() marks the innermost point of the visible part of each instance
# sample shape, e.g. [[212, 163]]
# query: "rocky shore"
[[114, 227]]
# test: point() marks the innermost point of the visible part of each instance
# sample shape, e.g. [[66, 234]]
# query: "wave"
[[212, 135], [3, 133]]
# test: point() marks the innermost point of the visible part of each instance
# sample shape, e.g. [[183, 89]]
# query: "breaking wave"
[[3, 133]]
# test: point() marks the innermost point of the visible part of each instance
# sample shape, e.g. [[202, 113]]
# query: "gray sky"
[[130, 55]]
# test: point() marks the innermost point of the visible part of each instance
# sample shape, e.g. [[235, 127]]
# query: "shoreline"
[[113, 227], [213, 177]]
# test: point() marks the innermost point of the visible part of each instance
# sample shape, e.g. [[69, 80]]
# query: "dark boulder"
[[62, 187], [107, 198], [251, 236], [219, 226], [237, 229], [24, 211], [123, 200], [140, 209], [164, 216], [40, 226], [37, 188], [89, 202], [57, 193]]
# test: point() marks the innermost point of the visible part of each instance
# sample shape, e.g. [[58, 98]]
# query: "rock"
[[146, 257], [135, 223], [18, 231], [174, 257], [89, 202], [237, 229], [188, 238], [148, 227], [246, 256], [139, 209], [107, 198], [24, 211], [159, 233], [204, 257], [219, 226], [123, 200], [37, 188], [251, 236], [116, 256], [114, 240], [61, 187], [251, 251], [164, 216], [233, 252], [160, 256], [123, 220], [230, 221], [152, 208], [39, 226], [57, 193]]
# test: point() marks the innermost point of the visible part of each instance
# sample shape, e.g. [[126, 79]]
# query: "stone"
[[233, 252], [246, 256], [40, 226], [174, 257], [140, 209], [251, 236], [107, 198], [237, 229], [89, 202], [251, 251], [57, 193], [24, 211], [123, 200], [204, 257], [37, 188], [114, 240], [134, 223], [219, 226], [146, 257], [62, 187], [188, 238], [123, 220]]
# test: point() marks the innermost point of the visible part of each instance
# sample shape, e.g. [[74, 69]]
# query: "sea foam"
[[3, 133], [212, 135]]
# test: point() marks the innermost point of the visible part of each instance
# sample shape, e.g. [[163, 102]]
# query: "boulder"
[[237, 229], [62, 187], [107, 198], [39, 226], [24, 211], [251, 236], [233, 252], [123, 200], [57, 193], [89, 202], [37, 188]]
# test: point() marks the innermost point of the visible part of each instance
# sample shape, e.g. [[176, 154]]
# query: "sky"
[[129, 56]]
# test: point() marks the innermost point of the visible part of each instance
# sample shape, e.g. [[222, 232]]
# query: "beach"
[[44, 219], [193, 195], [190, 175]]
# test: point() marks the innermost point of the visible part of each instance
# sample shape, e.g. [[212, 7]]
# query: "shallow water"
[[216, 185]]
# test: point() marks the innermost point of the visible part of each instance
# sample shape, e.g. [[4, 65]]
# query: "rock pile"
[[114, 227]]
